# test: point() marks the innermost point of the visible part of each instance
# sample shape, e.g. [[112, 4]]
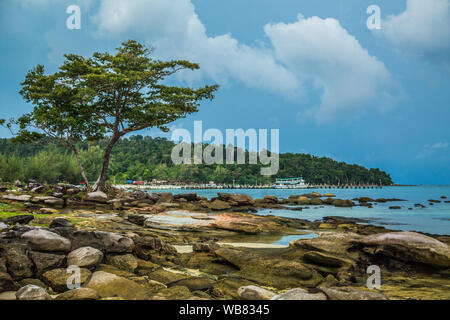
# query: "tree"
[[106, 96]]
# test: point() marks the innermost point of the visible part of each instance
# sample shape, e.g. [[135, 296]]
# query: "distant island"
[[146, 158]]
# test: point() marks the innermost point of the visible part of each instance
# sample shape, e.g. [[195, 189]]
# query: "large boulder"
[[16, 257], [299, 294], [85, 257], [255, 293], [45, 261], [58, 279], [44, 240], [104, 241], [409, 247], [126, 262], [349, 293], [97, 196], [110, 285], [32, 292]]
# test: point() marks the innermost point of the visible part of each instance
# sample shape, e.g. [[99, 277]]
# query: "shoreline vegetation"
[[161, 246], [143, 158]]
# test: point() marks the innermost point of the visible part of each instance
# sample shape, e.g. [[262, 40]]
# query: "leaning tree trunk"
[[101, 181], [80, 165]]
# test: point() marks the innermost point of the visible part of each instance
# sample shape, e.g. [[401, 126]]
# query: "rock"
[[43, 240], [19, 265], [45, 261], [329, 195], [79, 294], [218, 205], [48, 211], [165, 276], [126, 262], [3, 227], [21, 219], [300, 294], [85, 257], [58, 279], [343, 203], [104, 241], [97, 196], [186, 196], [8, 296], [240, 199], [325, 259], [33, 281], [7, 283], [72, 191], [174, 293], [38, 189], [137, 219], [434, 201], [156, 244], [395, 207], [410, 247], [110, 285], [255, 293], [17, 184], [54, 201], [275, 272], [164, 197], [146, 267], [205, 247], [348, 293], [334, 243], [193, 284], [61, 223], [32, 292], [271, 199]]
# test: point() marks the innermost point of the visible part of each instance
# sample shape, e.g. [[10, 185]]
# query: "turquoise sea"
[[432, 219]]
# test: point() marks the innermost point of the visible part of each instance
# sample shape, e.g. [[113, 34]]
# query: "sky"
[[313, 69]]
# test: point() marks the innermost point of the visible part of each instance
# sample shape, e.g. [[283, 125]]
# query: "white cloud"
[[423, 29], [176, 31], [430, 150], [439, 145], [323, 51], [318, 51], [84, 4]]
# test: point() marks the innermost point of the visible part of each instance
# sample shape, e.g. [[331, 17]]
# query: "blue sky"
[[379, 98]]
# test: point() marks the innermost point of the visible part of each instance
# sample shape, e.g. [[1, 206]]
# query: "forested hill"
[[146, 158]]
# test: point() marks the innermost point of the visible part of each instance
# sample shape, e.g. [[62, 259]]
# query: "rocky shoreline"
[[128, 245]]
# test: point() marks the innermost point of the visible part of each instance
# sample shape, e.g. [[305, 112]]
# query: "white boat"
[[290, 183]]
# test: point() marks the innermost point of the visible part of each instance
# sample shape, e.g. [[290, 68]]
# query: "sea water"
[[433, 219]]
